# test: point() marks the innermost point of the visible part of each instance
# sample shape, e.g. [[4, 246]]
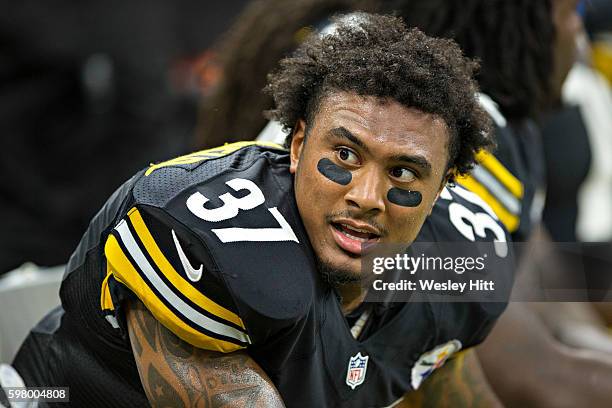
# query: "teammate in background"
[[511, 181], [266, 32], [577, 145], [229, 276]]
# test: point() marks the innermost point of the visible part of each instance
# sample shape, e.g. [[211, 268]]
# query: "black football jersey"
[[213, 245]]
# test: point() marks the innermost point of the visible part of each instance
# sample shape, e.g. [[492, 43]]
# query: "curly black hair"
[[376, 55]]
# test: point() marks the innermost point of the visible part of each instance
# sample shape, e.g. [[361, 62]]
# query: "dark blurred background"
[[90, 92]]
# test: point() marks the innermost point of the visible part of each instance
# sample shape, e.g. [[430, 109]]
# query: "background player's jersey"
[[213, 245], [511, 179]]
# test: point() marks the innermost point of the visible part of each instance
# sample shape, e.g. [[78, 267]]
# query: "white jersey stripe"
[[505, 197], [196, 317]]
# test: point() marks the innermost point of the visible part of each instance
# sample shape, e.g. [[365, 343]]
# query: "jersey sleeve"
[[498, 187], [212, 247], [165, 266], [499, 178], [511, 180]]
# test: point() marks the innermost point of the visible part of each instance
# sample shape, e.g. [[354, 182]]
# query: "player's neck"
[[351, 296]]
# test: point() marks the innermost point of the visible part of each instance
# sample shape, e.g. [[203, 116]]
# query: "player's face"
[[367, 172]]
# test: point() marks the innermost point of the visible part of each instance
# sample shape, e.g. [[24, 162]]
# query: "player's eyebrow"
[[343, 133], [416, 160]]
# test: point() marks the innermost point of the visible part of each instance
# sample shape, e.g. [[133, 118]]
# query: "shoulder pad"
[[222, 259], [460, 215], [163, 181]]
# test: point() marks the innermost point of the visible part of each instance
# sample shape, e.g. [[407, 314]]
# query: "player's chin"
[[342, 268], [336, 276]]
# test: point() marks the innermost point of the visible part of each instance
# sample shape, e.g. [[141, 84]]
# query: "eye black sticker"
[[405, 198], [334, 172]]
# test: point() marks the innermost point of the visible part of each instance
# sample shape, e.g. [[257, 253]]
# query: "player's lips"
[[354, 237]]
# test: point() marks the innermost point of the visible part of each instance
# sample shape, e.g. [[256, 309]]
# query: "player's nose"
[[366, 191]]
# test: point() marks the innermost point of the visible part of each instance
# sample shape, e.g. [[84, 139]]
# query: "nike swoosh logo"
[[193, 274]]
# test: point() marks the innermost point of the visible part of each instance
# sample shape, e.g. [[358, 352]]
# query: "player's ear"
[[297, 143], [445, 180]]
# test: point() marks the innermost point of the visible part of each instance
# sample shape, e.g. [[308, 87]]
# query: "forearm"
[[595, 383], [527, 367], [174, 373], [575, 324], [604, 310], [459, 383]]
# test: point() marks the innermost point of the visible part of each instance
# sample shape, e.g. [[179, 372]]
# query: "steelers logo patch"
[[429, 361]]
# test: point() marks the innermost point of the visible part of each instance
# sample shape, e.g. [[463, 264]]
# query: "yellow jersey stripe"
[[173, 276], [106, 301], [166, 294], [489, 161], [215, 152], [501, 193], [121, 266], [510, 220]]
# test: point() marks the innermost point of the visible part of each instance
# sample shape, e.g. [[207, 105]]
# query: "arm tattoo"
[[177, 374], [459, 383]]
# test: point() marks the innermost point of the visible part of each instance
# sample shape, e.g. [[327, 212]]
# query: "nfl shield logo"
[[356, 373]]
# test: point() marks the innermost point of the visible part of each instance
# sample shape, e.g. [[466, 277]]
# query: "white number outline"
[[230, 209], [479, 222]]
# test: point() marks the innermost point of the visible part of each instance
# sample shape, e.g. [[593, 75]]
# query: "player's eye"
[[403, 174], [347, 155]]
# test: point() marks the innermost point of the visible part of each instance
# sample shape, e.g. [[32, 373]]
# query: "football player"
[[232, 276]]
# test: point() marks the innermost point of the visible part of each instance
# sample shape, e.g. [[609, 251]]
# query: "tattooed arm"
[[176, 374], [459, 383]]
